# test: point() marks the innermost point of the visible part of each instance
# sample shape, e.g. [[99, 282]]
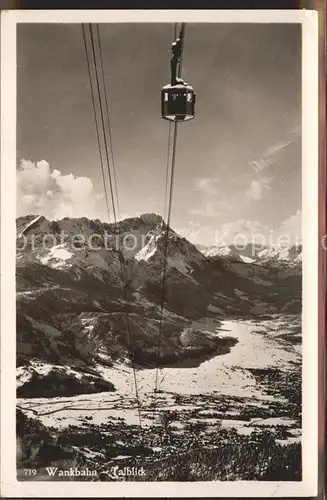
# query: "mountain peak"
[[151, 218]]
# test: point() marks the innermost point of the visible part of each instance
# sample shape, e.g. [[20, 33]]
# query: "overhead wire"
[[95, 118], [168, 166], [112, 182], [102, 122], [170, 175], [108, 120], [109, 156]]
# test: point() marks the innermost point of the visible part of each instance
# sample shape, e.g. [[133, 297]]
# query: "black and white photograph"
[[163, 199]]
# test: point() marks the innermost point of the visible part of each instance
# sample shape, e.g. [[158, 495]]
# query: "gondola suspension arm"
[[177, 98]]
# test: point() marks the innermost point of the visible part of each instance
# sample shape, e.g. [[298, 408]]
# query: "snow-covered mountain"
[[253, 253], [288, 255], [89, 295]]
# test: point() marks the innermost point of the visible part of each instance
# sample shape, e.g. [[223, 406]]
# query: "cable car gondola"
[[177, 98]]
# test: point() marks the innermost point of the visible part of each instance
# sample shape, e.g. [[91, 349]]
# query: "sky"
[[238, 163]]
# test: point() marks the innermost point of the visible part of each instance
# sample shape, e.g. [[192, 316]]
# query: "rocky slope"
[[74, 314]]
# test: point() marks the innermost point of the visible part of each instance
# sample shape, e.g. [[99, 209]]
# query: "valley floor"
[[232, 417]]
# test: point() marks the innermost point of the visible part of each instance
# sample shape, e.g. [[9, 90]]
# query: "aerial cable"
[[96, 121], [108, 120], [122, 260], [170, 175], [168, 166], [115, 218], [102, 121], [171, 161], [111, 187]]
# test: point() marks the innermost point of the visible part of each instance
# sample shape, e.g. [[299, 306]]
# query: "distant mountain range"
[[254, 253], [84, 304]]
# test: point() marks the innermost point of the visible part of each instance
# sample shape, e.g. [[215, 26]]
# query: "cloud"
[[247, 231], [258, 188], [207, 185], [273, 150], [212, 202], [52, 194], [208, 208], [261, 164], [270, 155], [243, 231], [198, 233], [244, 225], [291, 228]]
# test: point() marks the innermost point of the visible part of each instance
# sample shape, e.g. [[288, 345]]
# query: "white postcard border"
[[10, 487]]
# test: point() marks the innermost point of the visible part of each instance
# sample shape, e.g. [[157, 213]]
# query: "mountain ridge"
[[78, 300], [254, 253]]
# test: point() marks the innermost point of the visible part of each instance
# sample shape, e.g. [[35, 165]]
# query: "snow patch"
[[298, 259], [241, 294], [214, 309], [148, 250], [260, 281], [30, 224], [24, 373], [59, 254], [246, 259], [275, 421]]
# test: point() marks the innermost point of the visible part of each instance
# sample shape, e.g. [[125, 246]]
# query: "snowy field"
[[190, 390]]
